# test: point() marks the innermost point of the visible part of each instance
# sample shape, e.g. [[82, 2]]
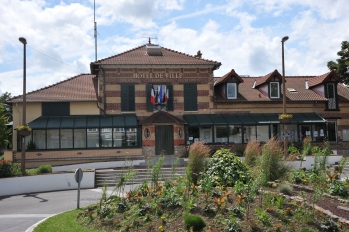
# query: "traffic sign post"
[[78, 178]]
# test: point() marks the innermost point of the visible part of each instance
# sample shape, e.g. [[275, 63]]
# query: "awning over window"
[[86, 121], [248, 119]]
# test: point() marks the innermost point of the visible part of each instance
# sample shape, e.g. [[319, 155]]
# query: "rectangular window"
[[53, 139], [235, 134], [263, 133], [231, 91], [128, 97], [119, 137], [106, 137], [39, 138], [79, 138], [190, 97], [249, 133], [332, 103], [318, 133], [66, 138], [274, 90], [193, 134], [131, 137], [92, 137], [205, 134], [221, 134]]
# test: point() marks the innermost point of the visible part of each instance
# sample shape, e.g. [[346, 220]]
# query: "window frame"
[[236, 90], [278, 89]]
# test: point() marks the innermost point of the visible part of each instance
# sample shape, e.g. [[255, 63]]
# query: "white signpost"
[[78, 178]]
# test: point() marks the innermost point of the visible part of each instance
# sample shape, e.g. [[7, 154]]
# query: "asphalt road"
[[19, 213]]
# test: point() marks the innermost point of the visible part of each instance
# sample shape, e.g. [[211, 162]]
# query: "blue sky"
[[242, 35]]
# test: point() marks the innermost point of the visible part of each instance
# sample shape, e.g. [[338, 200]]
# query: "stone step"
[[112, 176]]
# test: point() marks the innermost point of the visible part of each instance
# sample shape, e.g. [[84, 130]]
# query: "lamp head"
[[23, 40], [284, 39]]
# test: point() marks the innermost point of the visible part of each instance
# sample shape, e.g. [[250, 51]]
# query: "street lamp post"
[[24, 42], [284, 95]]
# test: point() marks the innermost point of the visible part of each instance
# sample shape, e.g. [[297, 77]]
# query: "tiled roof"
[[224, 78], [343, 91], [247, 93], [162, 117], [139, 56], [262, 80], [321, 79], [78, 88]]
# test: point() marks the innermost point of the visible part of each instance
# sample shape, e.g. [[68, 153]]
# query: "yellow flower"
[[282, 116], [23, 128]]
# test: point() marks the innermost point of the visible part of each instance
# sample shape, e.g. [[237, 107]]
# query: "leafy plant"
[[196, 222], [233, 225], [263, 216], [226, 168], [8, 168], [44, 169], [330, 226], [298, 177], [338, 188], [316, 149], [292, 149]]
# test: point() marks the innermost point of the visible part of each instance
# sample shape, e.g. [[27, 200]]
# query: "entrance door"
[[332, 131], [164, 140]]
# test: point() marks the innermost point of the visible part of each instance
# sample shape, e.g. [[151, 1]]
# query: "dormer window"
[[331, 95], [274, 88], [231, 91]]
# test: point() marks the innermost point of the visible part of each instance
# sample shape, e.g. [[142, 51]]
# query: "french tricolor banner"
[[152, 96], [166, 96], [160, 94]]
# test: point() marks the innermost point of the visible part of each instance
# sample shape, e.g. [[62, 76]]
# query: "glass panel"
[[106, 137], [263, 133], [92, 137], [53, 139], [131, 137], [249, 133], [274, 89], [231, 90], [305, 131], [291, 132], [235, 134], [205, 134], [119, 137], [193, 134], [221, 134], [318, 133], [66, 138], [79, 138], [39, 138], [332, 131]]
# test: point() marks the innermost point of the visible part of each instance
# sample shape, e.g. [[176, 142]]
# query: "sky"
[[242, 35]]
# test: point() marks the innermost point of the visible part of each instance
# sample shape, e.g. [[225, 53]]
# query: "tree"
[[341, 67], [5, 116]]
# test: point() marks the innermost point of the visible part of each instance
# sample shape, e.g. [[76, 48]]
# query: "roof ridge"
[[193, 56], [50, 86], [122, 53]]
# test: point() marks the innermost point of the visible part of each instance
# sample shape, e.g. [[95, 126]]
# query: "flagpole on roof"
[[95, 27]]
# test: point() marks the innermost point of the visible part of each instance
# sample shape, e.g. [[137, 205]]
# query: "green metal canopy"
[[248, 119], [84, 121]]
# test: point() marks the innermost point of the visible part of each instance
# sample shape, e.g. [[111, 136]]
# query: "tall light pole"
[[24, 42], [284, 95]]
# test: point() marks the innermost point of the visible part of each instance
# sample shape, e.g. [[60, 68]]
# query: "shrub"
[[8, 169], [198, 152], [285, 189], [338, 188], [226, 168], [271, 163], [293, 150], [252, 152], [316, 149], [44, 169], [307, 146], [196, 222]]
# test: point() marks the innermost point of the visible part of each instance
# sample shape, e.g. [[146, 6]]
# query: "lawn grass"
[[63, 222]]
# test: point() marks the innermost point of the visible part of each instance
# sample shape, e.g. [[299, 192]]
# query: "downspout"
[[103, 110]]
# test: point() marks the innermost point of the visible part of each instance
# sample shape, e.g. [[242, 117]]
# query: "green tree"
[[341, 67], [5, 116]]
